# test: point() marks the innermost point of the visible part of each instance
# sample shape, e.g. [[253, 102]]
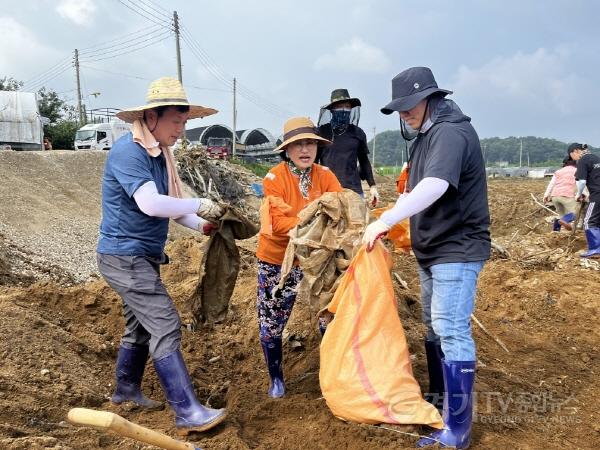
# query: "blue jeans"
[[448, 298]]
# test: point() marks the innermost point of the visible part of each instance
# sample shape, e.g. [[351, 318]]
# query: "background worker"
[[288, 188], [561, 192], [588, 175], [140, 192], [348, 154], [449, 227]]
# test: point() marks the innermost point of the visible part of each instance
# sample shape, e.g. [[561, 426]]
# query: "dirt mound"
[[59, 344]]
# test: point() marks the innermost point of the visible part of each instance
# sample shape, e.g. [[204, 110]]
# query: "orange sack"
[[366, 375]]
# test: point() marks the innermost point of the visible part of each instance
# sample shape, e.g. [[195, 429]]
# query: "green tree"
[[50, 105], [62, 134], [10, 84]]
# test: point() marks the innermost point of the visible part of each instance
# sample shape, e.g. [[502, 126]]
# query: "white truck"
[[100, 136]]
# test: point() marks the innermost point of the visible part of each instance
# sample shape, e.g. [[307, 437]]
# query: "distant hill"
[[390, 147]]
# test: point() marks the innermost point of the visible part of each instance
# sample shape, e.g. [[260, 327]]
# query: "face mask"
[[340, 118], [407, 132]]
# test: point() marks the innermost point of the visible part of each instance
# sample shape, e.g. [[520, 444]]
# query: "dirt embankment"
[[59, 344]]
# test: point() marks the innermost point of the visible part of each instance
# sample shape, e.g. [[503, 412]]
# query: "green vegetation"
[[497, 151], [259, 169]]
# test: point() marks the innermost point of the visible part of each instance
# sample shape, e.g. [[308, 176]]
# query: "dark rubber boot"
[[190, 414], [274, 358], [459, 377], [131, 362], [435, 394]]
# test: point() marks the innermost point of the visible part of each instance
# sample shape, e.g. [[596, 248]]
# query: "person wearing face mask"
[[449, 229], [288, 188], [348, 155]]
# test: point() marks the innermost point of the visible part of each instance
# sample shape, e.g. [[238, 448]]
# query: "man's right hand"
[[547, 199], [209, 210], [581, 198]]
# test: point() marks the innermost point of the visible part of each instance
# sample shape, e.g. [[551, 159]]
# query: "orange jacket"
[[283, 201]]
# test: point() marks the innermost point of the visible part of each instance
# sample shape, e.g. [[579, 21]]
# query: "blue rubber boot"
[[592, 236], [435, 394], [556, 225], [459, 377], [131, 362], [190, 414], [272, 350], [566, 221]]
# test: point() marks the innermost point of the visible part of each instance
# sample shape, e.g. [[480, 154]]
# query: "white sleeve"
[[191, 221], [154, 204], [548, 192], [580, 187], [421, 197]]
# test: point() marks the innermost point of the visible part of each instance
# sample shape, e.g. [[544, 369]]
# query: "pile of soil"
[[59, 345]]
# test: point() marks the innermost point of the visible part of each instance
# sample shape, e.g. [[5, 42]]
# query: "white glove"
[[374, 196], [209, 210], [374, 231]]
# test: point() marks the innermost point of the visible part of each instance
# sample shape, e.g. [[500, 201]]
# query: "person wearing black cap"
[[588, 175], [348, 155], [449, 228]]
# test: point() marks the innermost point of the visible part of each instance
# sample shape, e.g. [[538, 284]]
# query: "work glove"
[[206, 228], [374, 196], [374, 231], [209, 210]]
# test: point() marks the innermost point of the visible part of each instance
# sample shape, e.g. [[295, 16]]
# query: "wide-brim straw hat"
[[341, 95], [299, 128], [165, 91]]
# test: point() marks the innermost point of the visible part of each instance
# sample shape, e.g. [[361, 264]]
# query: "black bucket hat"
[[341, 95], [575, 146], [410, 87]]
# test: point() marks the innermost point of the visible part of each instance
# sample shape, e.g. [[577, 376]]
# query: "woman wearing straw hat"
[[140, 192], [288, 188]]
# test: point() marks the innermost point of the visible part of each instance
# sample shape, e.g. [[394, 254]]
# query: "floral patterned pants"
[[274, 307]]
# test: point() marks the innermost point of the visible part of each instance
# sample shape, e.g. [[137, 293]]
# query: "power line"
[[218, 74], [40, 83], [145, 14], [164, 13], [52, 69], [126, 75], [156, 40], [125, 39], [157, 5], [134, 44]]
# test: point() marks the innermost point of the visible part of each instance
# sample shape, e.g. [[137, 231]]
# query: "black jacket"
[[347, 157]]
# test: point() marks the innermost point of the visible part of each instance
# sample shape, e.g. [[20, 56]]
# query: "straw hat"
[[299, 128], [165, 91]]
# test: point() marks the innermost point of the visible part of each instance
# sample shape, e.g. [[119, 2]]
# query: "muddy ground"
[[59, 339]]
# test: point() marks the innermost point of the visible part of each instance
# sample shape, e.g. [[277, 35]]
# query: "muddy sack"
[[219, 267]]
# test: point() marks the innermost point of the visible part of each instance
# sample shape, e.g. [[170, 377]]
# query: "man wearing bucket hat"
[[588, 175], [140, 192], [449, 227], [288, 188], [348, 154]]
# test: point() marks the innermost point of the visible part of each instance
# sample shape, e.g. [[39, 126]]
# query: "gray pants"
[[150, 315]]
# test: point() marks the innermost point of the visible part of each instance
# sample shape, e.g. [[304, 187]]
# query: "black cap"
[[576, 146]]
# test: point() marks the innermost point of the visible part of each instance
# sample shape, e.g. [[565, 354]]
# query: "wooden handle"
[[109, 421]]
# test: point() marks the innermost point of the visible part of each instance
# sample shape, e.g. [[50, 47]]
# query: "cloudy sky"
[[518, 68]]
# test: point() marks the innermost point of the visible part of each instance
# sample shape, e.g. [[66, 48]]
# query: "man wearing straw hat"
[[141, 191]]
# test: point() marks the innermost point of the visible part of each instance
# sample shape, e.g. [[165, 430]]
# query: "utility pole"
[[79, 107], [521, 155], [234, 120], [177, 48], [374, 142]]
